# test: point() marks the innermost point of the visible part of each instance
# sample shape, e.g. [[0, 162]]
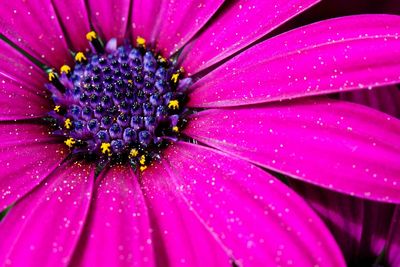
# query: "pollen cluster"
[[121, 103]]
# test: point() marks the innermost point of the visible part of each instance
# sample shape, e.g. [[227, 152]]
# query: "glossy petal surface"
[[179, 20], [28, 155], [144, 15], [74, 17], [44, 227], [327, 143], [328, 56], [118, 231], [232, 199], [110, 18], [43, 39], [240, 24]]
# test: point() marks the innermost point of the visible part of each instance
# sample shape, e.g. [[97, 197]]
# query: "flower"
[[203, 200]]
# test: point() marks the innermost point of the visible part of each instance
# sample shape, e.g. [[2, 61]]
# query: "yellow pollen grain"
[[52, 76], [90, 36], [129, 81], [162, 59], [142, 160], [174, 104], [133, 153], [67, 123], [70, 142], [57, 108], [65, 69], [140, 41], [105, 148], [142, 168], [80, 57], [175, 129], [175, 77]]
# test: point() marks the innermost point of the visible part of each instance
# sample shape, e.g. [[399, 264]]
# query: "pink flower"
[[205, 199]]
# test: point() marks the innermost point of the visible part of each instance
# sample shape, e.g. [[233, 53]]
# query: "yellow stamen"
[[175, 129], [175, 77], [129, 81], [142, 168], [70, 142], [140, 41], [65, 69], [105, 148], [80, 57], [67, 123], [90, 36], [162, 59], [57, 108], [174, 104], [142, 160], [133, 153], [52, 76]]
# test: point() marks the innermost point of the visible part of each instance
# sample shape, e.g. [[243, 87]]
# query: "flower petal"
[[386, 99], [110, 18], [118, 230], [44, 227], [330, 56], [360, 227], [33, 26], [180, 20], [144, 14], [178, 237], [337, 145], [74, 17], [27, 155], [20, 83], [232, 199], [240, 24], [393, 248]]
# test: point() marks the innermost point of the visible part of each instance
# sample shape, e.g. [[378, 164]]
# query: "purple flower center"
[[126, 103]]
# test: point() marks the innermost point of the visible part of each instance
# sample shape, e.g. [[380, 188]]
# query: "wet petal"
[[27, 155], [110, 18], [22, 92], [178, 237], [393, 248], [18, 68], [180, 20], [328, 143], [240, 24], [44, 227], [43, 39], [360, 227], [144, 14], [118, 230], [74, 17], [232, 199], [386, 99], [329, 56]]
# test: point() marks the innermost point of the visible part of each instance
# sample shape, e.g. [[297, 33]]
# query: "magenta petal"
[[118, 230], [74, 17], [22, 93], [360, 227], [144, 14], [18, 68], [44, 227], [386, 99], [27, 155], [393, 247], [252, 216], [239, 25], [330, 56], [34, 27], [337, 145], [110, 18], [179, 20], [179, 237]]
